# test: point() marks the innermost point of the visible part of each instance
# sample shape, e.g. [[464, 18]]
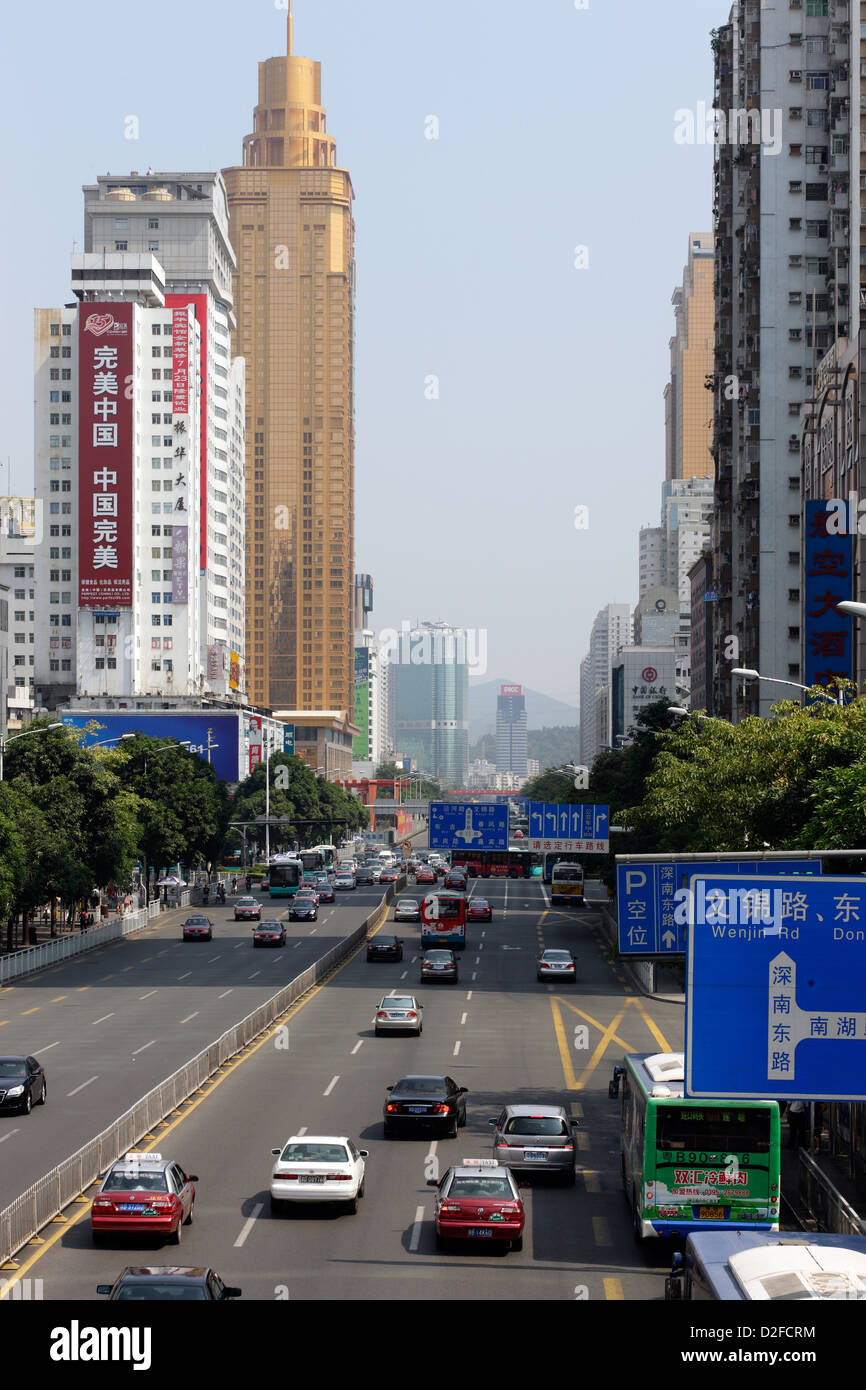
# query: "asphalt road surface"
[[498, 1032]]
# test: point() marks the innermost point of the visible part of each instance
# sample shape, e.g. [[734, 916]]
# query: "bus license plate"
[[712, 1213]]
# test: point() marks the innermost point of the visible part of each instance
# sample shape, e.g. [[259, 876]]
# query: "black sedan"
[[364, 876], [385, 948], [22, 1084], [171, 1284], [198, 928], [303, 909], [429, 1101]]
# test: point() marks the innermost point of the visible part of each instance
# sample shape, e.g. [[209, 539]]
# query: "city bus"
[[329, 854], [551, 859], [748, 1267], [312, 863], [285, 878], [494, 863], [443, 921], [566, 884], [693, 1165]]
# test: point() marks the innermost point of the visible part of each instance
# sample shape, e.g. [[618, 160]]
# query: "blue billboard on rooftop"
[[182, 725]]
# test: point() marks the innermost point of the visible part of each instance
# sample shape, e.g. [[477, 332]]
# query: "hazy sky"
[[555, 129]]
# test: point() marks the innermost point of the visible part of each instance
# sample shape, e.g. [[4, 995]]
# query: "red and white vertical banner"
[[255, 742], [180, 361], [105, 454], [197, 375]]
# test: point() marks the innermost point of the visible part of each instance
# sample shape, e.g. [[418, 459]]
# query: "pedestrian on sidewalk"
[[797, 1124]]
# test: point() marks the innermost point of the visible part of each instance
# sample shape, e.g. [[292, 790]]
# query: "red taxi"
[[479, 910], [478, 1200], [425, 875], [143, 1194]]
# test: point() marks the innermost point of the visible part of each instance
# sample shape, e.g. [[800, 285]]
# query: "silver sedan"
[[555, 965], [407, 910], [398, 1013]]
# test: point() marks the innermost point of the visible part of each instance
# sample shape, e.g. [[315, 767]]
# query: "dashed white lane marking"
[[185, 976], [414, 958], [40, 1050], [481, 945], [297, 944], [254, 974], [463, 1018], [357, 1047], [405, 973], [469, 995], [9, 1133], [249, 1223], [144, 1047], [415, 1238], [331, 1086], [190, 1016], [82, 1086], [302, 1131], [475, 975], [483, 933], [238, 947], [148, 995], [477, 960], [224, 994], [456, 1049], [101, 1020], [213, 958]]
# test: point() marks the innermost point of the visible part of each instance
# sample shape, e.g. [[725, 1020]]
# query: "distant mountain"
[[542, 712]]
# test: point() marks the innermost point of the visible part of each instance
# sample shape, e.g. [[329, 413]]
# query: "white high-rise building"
[[611, 630], [129, 492], [182, 219], [18, 528]]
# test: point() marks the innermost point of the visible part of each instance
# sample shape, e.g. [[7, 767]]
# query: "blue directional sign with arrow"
[[645, 899], [569, 828], [776, 988], [468, 825]]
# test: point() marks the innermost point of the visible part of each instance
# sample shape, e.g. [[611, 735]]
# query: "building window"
[[121, 246]]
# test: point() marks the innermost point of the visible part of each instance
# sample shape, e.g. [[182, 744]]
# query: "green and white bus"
[[693, 1165]]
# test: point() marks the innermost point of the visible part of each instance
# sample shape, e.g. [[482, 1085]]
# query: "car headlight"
[[15, 1091]]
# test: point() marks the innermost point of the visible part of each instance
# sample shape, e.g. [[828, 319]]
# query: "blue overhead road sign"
[[569, 828], [468, 825], [645, 899], [776, 988]]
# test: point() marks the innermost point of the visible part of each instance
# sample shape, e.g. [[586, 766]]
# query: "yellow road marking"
[[63, 1223], [107, 977], [607, 1036], [562, 1042], [591, 1180], [127, 967], [3, 1022], [601, 1230], [592, 1021], [57, 998], [82, 988], [613, 1289], [583, 1142], [656, 1032], [34, 1010]]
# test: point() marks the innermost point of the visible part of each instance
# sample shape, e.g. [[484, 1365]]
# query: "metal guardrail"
[[825, 1202], [33, 958], [26, 1216]]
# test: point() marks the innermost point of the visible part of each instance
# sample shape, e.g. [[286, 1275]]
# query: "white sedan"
[[317, 1168]]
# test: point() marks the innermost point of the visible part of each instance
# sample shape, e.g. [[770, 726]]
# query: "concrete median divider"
[[46, 1199]]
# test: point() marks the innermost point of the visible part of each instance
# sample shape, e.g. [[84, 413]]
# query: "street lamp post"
[[749, 674], [27, 733], [104, 741]]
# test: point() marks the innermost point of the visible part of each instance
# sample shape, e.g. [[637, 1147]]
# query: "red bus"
[[495, 863], [443, 920]]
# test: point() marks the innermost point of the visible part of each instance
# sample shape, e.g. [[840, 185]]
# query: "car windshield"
[[439, 957], [558, 956], [270, 926], [135, 1182], [479, 902], [400, 1001], [536, 1124], [385, 941], [314, 1153], [12, 1068], [247, 902], [163, 1293], [420, 1086], [484, 1188], [197, 921], [407, 903]]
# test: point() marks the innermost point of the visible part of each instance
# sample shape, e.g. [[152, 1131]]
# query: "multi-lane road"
[[498, 1032]]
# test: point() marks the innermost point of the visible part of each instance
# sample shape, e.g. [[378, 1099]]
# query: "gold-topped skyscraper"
[[291, 225]]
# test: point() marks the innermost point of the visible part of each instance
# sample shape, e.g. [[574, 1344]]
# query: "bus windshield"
[[567, 873], [681, 1129], [312, 859]]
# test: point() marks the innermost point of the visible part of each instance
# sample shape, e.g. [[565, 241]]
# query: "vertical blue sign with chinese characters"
[[828, 642], [646, 899], [776, 989]]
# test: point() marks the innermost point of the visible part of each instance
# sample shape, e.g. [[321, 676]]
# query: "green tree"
[[182, 806]]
